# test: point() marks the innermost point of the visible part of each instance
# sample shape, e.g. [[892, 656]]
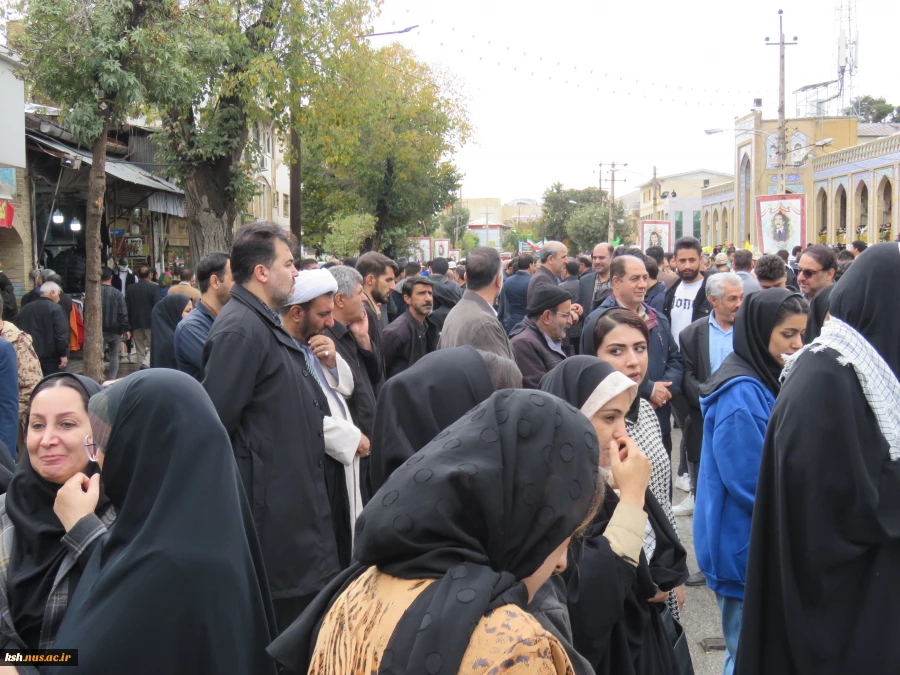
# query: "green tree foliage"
[[380, 139], [275, 53], [589, 225], [871, 109], [467, 242], [454, 223], [513, 237], [101, 61], [346, 234], [559, 205]]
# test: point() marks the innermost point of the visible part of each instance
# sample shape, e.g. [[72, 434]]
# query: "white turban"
[[310, 284]]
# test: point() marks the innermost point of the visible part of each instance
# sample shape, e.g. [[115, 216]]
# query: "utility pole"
[[782, 126], [611, 233], [653, 188]]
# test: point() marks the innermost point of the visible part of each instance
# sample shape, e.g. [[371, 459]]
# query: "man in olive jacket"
[[273, 409]]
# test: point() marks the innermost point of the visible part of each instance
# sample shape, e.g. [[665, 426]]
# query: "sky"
[[554, 89]]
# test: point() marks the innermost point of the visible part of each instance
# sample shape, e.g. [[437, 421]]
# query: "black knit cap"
[[544, 297]]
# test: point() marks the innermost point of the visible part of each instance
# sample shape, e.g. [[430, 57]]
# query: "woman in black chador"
[[822, 578]]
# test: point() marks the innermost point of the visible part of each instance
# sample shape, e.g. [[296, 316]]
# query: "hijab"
[[163, 321], [868, 297], [38, 551], [588, 383], [416, 405], [181, 566], [753, 328], [818, 308], [478, 509]]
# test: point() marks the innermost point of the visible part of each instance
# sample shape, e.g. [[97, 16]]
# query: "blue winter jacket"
[[9, 397], [734, 427]]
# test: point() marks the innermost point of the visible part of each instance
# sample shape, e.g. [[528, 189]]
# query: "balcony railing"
[[870, 150], [716, 190]]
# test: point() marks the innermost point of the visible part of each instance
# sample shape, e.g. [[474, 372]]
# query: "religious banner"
[[657, 233], [455, 254], [7, 213], [420, 249], [441, 248], [780, 222]]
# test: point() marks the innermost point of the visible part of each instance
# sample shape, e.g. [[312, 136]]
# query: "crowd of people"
[[378, 466]]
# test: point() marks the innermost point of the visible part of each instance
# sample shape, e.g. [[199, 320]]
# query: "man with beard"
[[686, 302], [595, 286], [379, 275], [306, 317], [260, 383], [815, 270], [412, 335]]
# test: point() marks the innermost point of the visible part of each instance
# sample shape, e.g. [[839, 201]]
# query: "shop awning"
[[165, 198]]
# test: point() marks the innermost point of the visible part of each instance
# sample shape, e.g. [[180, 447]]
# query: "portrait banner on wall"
[[441, 248], [420, 249], [780, 222], [455, 254], [134, 247], [657, 233]]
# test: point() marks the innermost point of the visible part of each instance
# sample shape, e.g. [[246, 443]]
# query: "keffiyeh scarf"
[[878, 382]]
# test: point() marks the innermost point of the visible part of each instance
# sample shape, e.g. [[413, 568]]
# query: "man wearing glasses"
[[537, 341], [815, 270]]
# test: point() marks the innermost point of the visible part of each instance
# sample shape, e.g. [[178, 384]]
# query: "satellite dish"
[[664, 195]]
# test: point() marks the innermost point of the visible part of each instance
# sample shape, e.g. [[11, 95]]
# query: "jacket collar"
[[482, 304], [254, 304]]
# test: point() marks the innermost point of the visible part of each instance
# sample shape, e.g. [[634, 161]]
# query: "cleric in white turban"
[[305, 317]]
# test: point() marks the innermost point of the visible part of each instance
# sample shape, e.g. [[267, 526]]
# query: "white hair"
[[551, 248], [48, 287], [346, 278], [715, 285]]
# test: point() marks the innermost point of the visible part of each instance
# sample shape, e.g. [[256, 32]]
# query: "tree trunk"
[[93, 311], [295, 181], [382, 210], [209, 208]]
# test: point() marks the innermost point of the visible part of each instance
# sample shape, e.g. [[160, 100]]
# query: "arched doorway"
[[745, 182], [840, 222], [885, 210], [822, 217], [714, 234], [861, 213], [12, 255], [723, 233]]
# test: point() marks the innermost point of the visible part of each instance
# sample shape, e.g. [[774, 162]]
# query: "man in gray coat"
[[473, 321]]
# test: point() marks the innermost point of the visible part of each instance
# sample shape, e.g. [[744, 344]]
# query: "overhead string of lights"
[[614, 84]]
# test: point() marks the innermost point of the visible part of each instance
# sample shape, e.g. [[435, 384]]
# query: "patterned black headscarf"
[[479, 509]]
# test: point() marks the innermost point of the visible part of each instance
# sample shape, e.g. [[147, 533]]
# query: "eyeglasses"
[[92, 449], [568, 315], [808, 272]]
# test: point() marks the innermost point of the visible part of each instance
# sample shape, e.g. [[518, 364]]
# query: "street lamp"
[[393, 32]]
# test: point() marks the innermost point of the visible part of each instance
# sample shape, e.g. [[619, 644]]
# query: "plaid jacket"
[[76, 541]]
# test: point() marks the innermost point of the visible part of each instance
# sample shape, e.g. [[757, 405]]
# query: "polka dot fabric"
[[478, 509]]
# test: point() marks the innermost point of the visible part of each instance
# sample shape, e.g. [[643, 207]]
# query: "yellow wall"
[[15, 243]]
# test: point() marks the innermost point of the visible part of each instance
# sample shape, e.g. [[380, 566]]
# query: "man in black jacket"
[[537, 340], [379, 275], [115, 319], [48, 327], [412, 335], [140, 299], [123, 277], [269, 402], [352, 340], [591, 288]]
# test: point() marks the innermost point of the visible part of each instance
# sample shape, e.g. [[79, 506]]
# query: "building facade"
[[677, 198]]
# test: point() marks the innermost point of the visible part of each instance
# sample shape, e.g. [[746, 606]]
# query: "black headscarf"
[[163, 321], [753, 328], [868, 298], [180, 573], [38, 550], [479, 508], [818, 308], [416, 405]]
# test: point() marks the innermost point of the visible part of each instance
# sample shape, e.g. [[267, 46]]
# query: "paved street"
[[701, 614]]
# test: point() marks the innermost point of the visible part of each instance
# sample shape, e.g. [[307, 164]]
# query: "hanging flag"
[[6, 213], [617, 241], [747, 246]]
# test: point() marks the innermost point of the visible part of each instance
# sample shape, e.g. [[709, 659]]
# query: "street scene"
[[344, 337]]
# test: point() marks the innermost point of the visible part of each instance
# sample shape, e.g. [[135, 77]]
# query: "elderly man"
[[553, 257], [704, 345], [48, 326], [537, 341], [306, 316], [350, 334]]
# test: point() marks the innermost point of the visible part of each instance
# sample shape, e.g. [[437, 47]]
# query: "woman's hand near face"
[[631, 470], [77, 498]]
